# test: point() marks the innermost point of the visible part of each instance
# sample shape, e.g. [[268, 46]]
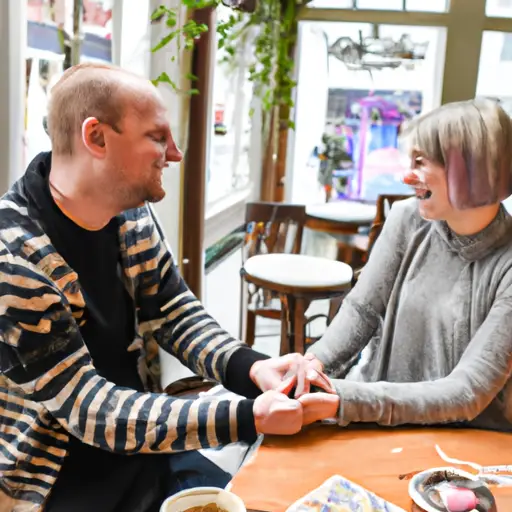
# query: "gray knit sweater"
[[433, 313]]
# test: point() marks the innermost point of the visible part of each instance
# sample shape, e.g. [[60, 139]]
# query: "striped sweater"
[[49, 388]]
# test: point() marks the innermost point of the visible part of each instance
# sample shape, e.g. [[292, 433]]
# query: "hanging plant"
[[270, 27]]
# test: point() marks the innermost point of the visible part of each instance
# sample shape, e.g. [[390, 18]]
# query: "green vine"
[[271, 31]]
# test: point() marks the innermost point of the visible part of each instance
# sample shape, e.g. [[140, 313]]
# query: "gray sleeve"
[[364, 307], [481, 374]]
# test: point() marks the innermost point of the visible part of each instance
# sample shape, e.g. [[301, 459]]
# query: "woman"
[[433, 307]]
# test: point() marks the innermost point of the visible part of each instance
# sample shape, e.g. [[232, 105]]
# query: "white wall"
[[13, 36], [222, 297]]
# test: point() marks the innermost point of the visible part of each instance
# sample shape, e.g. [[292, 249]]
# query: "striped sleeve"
[[170, 313], [44, 356]]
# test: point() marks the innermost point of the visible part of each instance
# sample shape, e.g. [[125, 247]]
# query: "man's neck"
[[82, 203]]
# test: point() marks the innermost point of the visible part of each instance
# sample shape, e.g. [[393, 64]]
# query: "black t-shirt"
[[90, 478]]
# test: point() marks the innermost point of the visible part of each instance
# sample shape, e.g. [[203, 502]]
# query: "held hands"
[[304, 371], [291, 375]]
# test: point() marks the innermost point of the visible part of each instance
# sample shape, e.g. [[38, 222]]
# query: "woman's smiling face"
[[431, 187]]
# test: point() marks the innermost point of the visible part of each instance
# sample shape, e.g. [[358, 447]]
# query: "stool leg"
[[299, 326], [287, 315], [250, 327]]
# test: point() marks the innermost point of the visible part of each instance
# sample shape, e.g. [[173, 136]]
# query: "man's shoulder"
[[22, 238], [16, 223]]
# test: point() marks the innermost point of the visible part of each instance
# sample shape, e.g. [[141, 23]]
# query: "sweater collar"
[[478, 246]]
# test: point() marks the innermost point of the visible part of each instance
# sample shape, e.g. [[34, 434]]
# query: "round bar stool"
[[343, 220], [340, 217], [298, 280]]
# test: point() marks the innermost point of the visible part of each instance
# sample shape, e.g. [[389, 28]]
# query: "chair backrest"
[[274, 227], [384, 204]]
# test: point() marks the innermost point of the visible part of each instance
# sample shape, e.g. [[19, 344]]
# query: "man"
[[88, 293]]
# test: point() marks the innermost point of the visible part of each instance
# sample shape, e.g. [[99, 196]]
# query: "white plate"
[[199, 496], [416, 481]]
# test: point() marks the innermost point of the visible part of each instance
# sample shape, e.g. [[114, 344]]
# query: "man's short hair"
[[85, 90]]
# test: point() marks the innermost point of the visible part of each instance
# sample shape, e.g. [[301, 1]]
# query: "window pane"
[[231, 125], [331, 4], [499, 8], [496, 68], [427, 6], [392, 5]]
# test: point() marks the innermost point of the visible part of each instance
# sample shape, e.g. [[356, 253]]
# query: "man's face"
[[138, 151]]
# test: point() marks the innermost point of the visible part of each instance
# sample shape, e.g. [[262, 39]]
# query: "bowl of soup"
[[203, 499]]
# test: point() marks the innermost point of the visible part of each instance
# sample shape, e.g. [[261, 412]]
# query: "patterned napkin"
[[341, 495]]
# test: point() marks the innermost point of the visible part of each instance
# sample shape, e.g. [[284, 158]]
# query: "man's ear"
[[93, 137]]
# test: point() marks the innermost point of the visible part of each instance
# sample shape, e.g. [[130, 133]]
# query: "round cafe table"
[[340, 217], [343, 220]]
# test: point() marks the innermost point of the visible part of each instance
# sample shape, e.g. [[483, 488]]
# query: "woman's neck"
[[472, 221]]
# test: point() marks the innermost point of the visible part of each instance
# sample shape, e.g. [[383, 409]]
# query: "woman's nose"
[[414, 178]]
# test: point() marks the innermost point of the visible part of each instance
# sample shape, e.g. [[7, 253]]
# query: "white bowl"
[[415, 483], [202, 496]]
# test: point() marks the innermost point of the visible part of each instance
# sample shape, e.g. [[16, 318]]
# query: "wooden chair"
[[281, 282], [384, 204], [270, 228]]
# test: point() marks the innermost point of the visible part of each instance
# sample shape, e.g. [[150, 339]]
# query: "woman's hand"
[[318, 406], [297, 371], [310, 372]]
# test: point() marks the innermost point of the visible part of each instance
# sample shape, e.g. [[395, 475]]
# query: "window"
[[331, 4], [506, 49], [428, 6], [392, 5], [495, 66], [382, 5], [499, 8], [229, 162]]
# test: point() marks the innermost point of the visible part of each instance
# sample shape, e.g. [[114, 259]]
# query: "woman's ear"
[[93, 137]]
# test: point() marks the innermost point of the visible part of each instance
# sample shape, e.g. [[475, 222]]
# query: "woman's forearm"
[[428, 403], [349, 333]]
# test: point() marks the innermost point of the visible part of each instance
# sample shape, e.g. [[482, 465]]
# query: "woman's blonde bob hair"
[[472, 140]]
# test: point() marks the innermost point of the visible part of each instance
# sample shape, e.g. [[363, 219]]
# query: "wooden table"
[[343, 220], [340, 217], [286, 468]]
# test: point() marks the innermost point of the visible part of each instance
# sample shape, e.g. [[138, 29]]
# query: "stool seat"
[[298, 271], [350, 212]]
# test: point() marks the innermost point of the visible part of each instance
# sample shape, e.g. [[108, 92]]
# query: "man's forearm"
[[122, 420]]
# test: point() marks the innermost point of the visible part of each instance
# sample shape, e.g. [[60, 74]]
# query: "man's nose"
[[173, 153]]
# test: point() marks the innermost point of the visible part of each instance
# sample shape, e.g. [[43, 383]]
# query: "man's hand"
[[318, 406], [310, 372], [295, 370], [275, 413]]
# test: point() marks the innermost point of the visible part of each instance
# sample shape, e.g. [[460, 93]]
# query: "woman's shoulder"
[[404, 216]]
